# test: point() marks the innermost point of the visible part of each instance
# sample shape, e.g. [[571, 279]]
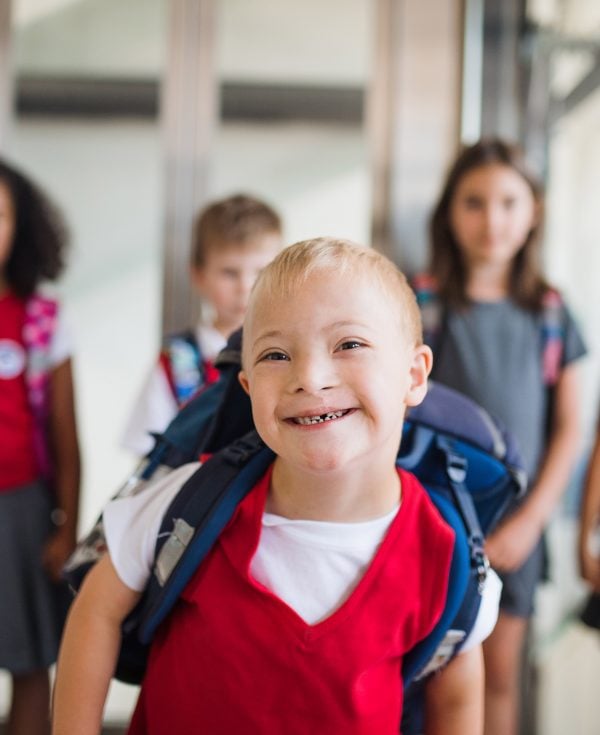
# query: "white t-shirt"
[[155, 406], [313, 566]]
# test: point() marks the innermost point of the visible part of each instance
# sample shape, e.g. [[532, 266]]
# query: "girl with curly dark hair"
[[39, 454]]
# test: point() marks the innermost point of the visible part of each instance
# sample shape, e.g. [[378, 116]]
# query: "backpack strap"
[[193, 522], [430, 305], [468, 569], [553, 336], [183, 364], [41, 315]]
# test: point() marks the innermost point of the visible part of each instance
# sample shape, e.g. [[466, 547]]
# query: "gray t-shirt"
[[492, 352]]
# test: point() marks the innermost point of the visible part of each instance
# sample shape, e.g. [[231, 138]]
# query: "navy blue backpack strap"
[[194, 520], [415, 662], [469, 565]]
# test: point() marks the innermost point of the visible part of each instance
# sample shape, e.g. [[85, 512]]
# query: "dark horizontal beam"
[[62, 96], [96, 97]]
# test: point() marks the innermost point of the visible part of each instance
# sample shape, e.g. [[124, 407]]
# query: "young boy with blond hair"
[[233, 239], [331, 569]]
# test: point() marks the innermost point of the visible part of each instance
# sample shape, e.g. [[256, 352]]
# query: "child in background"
[[488, 343], [233, 240], [39, 456], [335, 565]]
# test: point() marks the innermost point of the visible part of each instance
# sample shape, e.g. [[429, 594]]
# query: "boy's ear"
[[243, 378], [422, 363]]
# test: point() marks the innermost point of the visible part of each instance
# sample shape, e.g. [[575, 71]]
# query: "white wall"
[[316, 42]]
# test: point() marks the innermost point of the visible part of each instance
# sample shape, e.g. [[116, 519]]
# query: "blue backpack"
[[183, 364], [465, 460]]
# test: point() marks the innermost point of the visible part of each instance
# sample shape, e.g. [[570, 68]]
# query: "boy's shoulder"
[[130, 524]]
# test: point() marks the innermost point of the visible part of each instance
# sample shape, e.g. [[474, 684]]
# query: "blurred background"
[[344, 115]]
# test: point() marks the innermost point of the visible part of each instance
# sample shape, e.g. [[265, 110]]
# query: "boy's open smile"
[[320, 418]]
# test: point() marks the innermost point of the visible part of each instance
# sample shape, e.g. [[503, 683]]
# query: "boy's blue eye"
[[274, 356]]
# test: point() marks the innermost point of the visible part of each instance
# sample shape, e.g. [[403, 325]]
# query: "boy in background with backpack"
[[331, 569], [233, 239]]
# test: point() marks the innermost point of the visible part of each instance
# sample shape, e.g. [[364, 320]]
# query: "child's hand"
[[513, 541], [57, 550]]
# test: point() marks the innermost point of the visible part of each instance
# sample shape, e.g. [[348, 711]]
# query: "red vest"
[[233, 658]]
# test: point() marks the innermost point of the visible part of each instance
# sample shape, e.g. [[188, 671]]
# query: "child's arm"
[[510, 545], [89, 651], [67, 469], [454, 696], [590, 516]]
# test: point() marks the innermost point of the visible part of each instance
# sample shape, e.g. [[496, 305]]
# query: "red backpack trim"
[[41, 315]]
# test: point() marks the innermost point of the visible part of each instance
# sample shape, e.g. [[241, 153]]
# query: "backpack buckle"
[[238, 453], [480, 562], [456, 467], [456, 464]]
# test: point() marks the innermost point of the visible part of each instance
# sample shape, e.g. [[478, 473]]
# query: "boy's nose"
[[312, 375]]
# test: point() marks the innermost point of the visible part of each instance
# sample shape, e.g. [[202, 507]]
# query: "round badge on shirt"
[[12, 359]]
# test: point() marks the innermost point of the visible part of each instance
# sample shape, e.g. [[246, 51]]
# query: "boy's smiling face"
[[330, 371]]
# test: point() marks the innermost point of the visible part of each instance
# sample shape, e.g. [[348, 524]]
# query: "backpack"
[[184, 365], [552, 329], [465, 460], [41, 315]]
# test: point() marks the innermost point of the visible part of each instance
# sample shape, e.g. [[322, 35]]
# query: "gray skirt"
[[32, 607]]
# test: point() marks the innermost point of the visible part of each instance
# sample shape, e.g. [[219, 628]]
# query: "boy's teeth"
[[306, 420]]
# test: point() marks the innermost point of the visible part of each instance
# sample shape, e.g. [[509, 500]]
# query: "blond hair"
[[295, 264]]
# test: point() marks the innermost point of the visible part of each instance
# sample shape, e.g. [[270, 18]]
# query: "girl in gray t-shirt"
[[493, 341]]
